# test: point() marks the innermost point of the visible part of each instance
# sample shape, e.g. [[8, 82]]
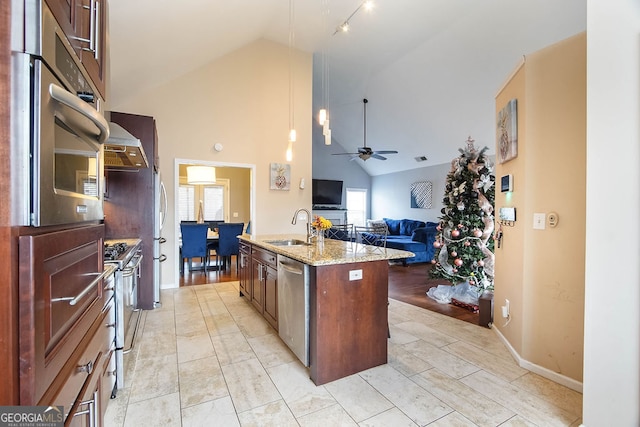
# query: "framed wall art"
[[507, 132], [421, 194], [280, 176]]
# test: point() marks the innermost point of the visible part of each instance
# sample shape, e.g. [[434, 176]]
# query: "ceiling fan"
[[365, 152]]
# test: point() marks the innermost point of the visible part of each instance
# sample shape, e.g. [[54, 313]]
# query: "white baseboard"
[[540, 370], [169, 286]]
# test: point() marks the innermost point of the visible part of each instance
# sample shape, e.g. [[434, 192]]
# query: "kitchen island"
[[346, 297]]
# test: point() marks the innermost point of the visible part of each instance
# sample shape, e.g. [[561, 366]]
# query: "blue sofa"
[[413, 236]]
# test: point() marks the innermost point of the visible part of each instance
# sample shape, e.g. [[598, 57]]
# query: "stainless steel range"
[[125, 255]]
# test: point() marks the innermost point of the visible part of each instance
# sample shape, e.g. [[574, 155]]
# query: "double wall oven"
[[60, 124]]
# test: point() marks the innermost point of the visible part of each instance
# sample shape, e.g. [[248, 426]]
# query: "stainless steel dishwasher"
[[293, 306]]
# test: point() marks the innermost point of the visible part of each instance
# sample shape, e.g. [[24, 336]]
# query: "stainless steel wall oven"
[[61, 127]]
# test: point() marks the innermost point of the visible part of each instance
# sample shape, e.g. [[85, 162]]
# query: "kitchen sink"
[[287, 242]]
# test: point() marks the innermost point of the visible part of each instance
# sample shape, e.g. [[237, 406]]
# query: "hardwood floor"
[[407, 284]]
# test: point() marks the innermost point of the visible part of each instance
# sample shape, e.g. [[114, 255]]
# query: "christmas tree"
[[464, 244]]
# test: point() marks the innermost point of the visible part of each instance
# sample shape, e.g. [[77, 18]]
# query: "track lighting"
[[367, 5]]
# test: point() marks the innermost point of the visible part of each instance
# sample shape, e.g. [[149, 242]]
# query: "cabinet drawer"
[[264, 256], [88, 361], [244, 247]]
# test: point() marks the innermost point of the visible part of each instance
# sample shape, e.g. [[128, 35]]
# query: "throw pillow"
[[393, 225], [378, 225], [408, 225]]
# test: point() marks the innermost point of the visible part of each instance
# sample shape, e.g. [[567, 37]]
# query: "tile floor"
[[207, 358]]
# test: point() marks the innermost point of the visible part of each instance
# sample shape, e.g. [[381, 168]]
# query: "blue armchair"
[[228, 243], [194, 243]]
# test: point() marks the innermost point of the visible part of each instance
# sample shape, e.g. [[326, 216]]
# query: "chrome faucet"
[[295, 219]]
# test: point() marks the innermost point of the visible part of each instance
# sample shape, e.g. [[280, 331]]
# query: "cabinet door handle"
[[85, 291], [88, 368]]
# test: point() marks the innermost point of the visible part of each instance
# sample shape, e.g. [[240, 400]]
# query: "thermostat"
[[506, 183]]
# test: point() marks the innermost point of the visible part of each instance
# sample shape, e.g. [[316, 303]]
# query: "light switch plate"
[[355, 274], [539, 220]]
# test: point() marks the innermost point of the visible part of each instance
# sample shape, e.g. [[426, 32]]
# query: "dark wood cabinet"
[[259, 280], [85, 25], [66, 327], [271, 295], [129, 203], [245, 271]]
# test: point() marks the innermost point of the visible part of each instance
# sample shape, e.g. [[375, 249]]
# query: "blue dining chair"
[[228, 243], [194, 243]]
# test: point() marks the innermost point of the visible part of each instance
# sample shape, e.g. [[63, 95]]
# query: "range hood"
[[123, 150]]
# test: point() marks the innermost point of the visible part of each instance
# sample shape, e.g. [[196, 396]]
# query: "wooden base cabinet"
[[259, 281]]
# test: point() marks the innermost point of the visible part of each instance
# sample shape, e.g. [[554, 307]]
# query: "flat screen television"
[[326, 192]]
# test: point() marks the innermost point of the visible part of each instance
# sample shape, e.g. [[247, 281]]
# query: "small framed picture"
[[280, 176]]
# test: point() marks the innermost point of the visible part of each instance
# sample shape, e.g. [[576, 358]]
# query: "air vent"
[[421, 158]]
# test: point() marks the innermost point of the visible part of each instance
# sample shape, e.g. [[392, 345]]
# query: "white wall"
[[612, 300], [242, 102]]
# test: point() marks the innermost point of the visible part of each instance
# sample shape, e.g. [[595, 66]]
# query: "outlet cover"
[[355, 274]]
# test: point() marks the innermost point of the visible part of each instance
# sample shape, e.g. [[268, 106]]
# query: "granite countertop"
[[332, 252]]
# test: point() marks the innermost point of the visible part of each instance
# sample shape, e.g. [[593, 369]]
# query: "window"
[[356, 206], [215, 201]]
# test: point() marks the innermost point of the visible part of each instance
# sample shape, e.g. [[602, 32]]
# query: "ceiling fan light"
[[322, 116]]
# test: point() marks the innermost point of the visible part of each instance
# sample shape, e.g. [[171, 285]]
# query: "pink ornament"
[[436, 244], [467, 243], [455, 270], [454, 253], [439, 228], [460, 226], [455, 233], [458, 262], [477, 233], [433, 261], [481, 263], [471, 282]]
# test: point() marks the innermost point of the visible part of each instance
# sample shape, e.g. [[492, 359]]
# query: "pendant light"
[[292, 130], [201, 175], [323, 115]]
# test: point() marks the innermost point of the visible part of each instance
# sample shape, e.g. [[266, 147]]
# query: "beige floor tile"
[[444, 361], [518, 421], [475, 406], [270, 350], [523, 403], [249, 385], [332, 416], [506, 369], [358, 398], [400, 336], [155, 376], [117, 409], [425, 333], [201, 380], [404, 361], [557, 394], [232, 348], [272, 414], [416, 402], [254, 325], [453, 419], [218, 412], [190, 323], [221, 324], [156, 344], [161, 411], [213, 307], [298, 391], [194, 347], [392, 417]]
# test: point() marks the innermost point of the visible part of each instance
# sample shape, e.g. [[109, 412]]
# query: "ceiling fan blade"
[[377, 156], [354, 157], [386, 152], [342, 154]]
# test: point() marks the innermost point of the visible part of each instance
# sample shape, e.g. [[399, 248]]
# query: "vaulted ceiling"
[[429, 68]]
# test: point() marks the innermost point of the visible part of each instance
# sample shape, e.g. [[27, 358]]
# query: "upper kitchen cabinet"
[[85, 25]]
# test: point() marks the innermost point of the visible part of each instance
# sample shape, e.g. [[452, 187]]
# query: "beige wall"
[[242, 102], [541, 272]]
